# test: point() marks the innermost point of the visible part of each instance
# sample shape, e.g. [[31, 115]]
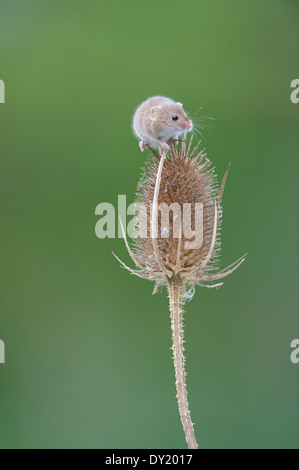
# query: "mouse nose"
[[186, 125]]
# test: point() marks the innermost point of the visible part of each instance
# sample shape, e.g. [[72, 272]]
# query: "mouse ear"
[[180, 104], [154, 110]]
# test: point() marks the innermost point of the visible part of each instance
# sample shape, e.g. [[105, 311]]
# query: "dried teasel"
[[178, 198]]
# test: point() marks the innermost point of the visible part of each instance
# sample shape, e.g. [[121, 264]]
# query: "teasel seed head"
[[179, 197]]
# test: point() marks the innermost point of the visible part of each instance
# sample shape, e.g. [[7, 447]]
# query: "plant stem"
[[154, 220], [176, 290]]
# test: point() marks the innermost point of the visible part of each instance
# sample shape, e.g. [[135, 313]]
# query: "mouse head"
[[172, 117]]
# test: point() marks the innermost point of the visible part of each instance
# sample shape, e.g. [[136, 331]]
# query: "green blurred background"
[[88, 359]]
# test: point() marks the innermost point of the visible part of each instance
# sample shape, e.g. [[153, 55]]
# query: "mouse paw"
[[164, 145], [143, 145]]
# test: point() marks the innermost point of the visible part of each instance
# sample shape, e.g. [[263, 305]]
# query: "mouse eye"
[[175, 117]]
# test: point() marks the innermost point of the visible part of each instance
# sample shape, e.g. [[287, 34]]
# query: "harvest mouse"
[[158, 120]]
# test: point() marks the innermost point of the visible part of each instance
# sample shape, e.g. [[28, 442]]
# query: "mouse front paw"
[[164, 145], [143, 145]]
